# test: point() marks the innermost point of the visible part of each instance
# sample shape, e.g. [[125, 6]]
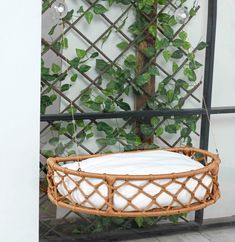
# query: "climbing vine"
[[166, 41]]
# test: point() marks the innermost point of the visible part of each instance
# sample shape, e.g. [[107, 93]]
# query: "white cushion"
[[137, 163]]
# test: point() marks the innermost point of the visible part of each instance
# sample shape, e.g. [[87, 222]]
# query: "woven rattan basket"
[[211, 167]]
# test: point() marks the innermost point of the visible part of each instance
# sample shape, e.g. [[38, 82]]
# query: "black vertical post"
[[208, 81]]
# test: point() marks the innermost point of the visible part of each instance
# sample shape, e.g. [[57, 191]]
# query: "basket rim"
[[53, 163]]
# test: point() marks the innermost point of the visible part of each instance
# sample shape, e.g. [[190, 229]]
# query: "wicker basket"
[[211, 167]]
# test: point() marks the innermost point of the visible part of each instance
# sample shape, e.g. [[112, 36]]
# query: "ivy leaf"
[[80, 10], [69, 15], [202, 45], [110, 2], [109, 106], [183, 35], [168, 31], [170, 95], [62, 131], [174, 67], [56, 45], [71, 129], [181, 83], [134, 29], [178, 43], [45, 5], [93, 105], [45, 102], [192, 12], [84, 68], [123, 105], [117, 220], [65, 43], [102, 126], [133, 139], [162, 44], [148, 220], [153, 70], [161, 88], [125, 2], [51, 32], [192, 125], [88, 16], [163, 2], [99, 99], [54, 141], [107, 141], [105, 37], [59, 149], [55, 68], [164, 18], [80, 53], [146, 129], [101, 65], [62, 76], [94, 55], [74, 77], [159, 131], [190, 74], [75, 62], [88, 136], [172, 22], [127, 90], [85, 95], [64, 87], [53, 98], [149, 52], [139, 221], [186, 45], [80, 123], [71, 153], [178, 54], [194, 65], [72, 110], [155, 121], [185, 132], [130, 61], [191, 56], [122, 45], [143, 79], [99, 9], [48, 153], [152, 30], [171, 128], [167, 55]]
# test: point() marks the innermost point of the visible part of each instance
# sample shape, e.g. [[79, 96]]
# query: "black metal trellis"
[[207, 93], [137, 114]]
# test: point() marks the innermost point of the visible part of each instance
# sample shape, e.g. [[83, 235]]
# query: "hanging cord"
[[211, 126], [74, 137]]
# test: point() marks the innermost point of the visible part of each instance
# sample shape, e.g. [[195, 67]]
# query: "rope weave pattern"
[[112, 187]]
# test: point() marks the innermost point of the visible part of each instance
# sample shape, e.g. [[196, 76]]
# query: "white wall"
[[19, 122], [224, 95]]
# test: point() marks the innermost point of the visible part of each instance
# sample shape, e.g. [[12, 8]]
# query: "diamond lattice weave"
[[182, 189]]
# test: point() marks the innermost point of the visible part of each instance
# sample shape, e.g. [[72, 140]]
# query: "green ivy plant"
[[121, 79]]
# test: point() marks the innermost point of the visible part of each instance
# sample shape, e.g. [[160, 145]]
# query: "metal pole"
[[208, 81]]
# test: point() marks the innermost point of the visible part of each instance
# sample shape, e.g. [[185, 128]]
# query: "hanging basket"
[[104, 204]]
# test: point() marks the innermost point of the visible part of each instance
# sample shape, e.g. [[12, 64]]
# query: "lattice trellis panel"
[[91, 63]]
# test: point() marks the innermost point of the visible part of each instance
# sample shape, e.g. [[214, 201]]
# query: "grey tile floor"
[[210, 235]]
